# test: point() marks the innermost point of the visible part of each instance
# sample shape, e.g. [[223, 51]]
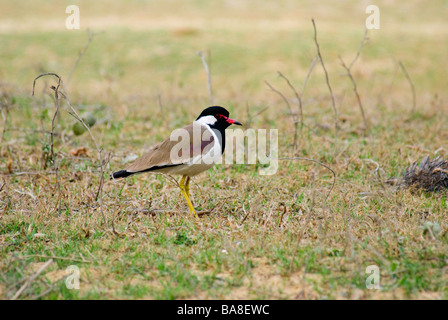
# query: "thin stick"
[[52, 156], [167, 211], [250, 117], [209, 81], [162, 112], [355, 87], [100, 157], [31, 279], [53, 159], [58, 105], [260, 112], [281, 95], [4, 112], [247, 214], [89, 40], [294, 121], [313, 63], [333, 101], [361, 45], [43, 293], [31, 130], [54, 257], [377, 171], [414, 98], [43, 75], [26, 173], [299, 99], [103, 164]]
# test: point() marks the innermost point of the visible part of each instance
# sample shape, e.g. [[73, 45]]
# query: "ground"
[[285, 236]]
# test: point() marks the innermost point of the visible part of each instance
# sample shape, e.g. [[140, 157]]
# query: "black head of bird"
[[216, 117]]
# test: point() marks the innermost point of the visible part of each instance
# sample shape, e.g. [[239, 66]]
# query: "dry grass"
[[267, 236]]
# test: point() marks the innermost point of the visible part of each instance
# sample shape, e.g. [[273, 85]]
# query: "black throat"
[[221, 136]]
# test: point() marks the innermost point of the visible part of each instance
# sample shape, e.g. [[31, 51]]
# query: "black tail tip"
[[121, 174]]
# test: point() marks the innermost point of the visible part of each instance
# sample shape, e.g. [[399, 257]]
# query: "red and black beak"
[[230, 121]]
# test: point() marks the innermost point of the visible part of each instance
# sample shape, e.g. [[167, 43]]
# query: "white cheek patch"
[[207, 120]]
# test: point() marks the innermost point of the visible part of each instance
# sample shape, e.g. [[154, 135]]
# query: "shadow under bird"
[[201, 144]]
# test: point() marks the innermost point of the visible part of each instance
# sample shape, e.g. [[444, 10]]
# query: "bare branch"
[[53, 257], [209, 81], [414, 98], [58, 105], [333, 101], [293, 118], [313, 63], [26, 173], [299, 100], [355, 87], [250, 117], [281, 95], [361, 45], [31, 279], [53, 123], [4, 112], [162, 111], [89, 40], [43, 75]]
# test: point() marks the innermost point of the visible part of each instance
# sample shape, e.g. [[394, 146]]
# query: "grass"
[[268, 237]]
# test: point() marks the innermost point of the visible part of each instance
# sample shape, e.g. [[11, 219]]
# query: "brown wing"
[[171, 153]]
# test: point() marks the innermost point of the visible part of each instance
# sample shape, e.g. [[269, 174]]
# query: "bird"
[[201, 144]]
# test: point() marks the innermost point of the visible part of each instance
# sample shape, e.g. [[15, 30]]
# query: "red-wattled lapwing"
[[204, 144]]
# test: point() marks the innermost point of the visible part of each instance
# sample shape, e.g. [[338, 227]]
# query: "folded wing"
[[192, 141]]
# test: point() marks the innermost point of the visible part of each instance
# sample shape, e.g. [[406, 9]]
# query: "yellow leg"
[[185, 189]]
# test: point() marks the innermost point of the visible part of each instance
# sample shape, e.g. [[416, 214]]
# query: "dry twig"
[[89, 40], [299, 101], [294, 117], [54, 257], [411, 83], [355, 87], [31, 279], [209, 81], [333, 101]]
